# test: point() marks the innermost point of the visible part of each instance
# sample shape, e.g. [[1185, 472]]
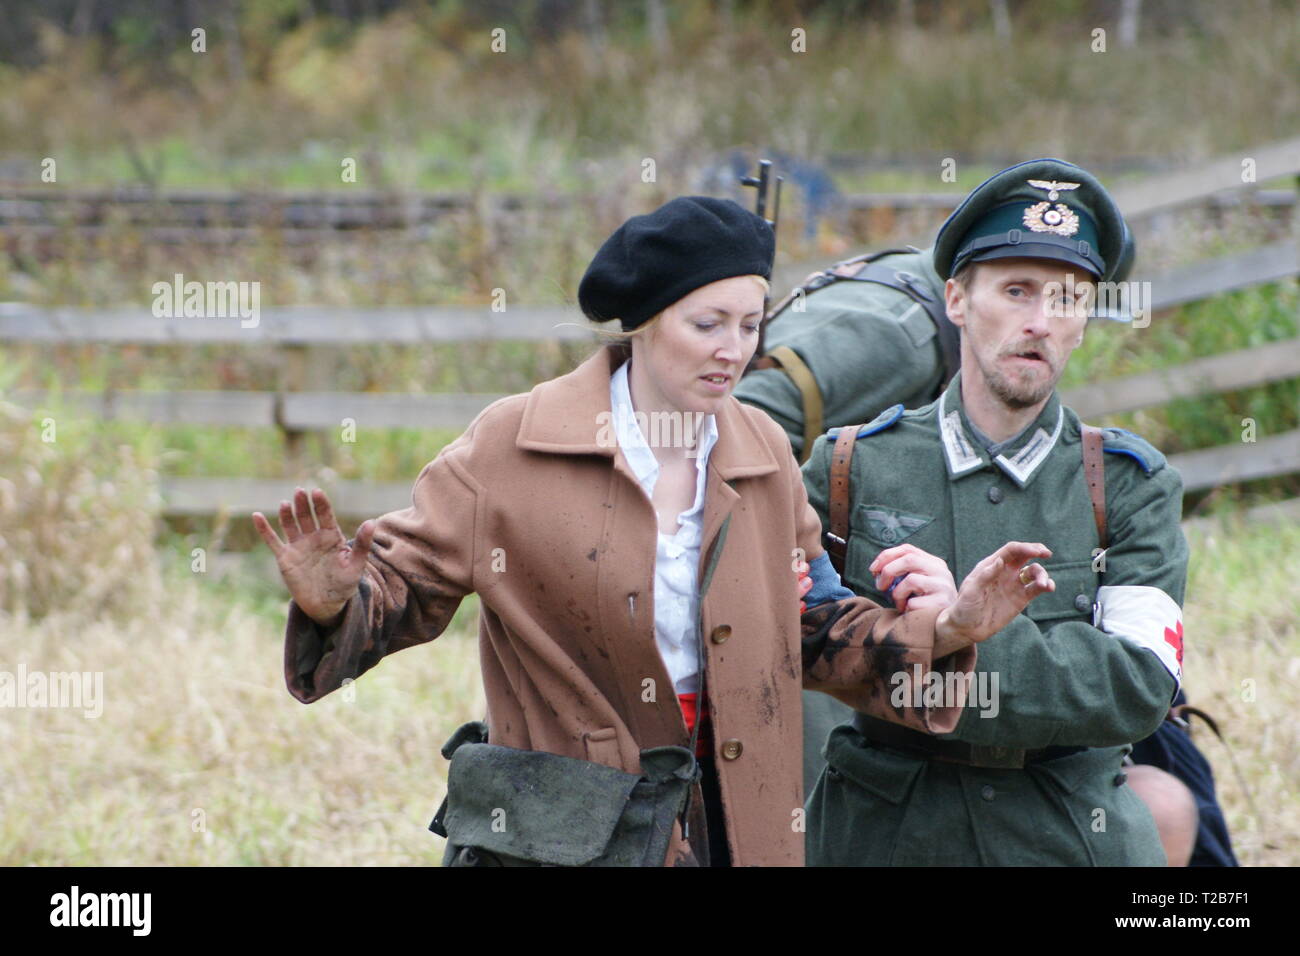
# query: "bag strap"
[[710, 566], [840, 270], [837, 537], [714, 553], [863, 268], [788, 360], [1094, 470]]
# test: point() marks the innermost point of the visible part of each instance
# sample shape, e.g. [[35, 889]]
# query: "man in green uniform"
[[864, 335], [1032, 774]]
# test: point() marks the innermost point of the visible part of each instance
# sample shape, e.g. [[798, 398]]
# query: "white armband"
[[1147, 616]]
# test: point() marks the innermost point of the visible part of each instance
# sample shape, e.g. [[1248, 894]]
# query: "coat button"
[[731, 749], [1082, 603], [995, 494], [1120, 778], [720, 634], [888, 535], [987, 793]]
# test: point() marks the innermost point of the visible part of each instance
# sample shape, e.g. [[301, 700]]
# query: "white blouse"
[[677, 557]]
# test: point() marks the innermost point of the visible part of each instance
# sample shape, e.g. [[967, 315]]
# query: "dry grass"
[[1242, 666], [196, 726], [59, 545], [201, 757]]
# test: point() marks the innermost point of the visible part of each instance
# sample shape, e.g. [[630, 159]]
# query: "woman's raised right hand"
[[319, 569]]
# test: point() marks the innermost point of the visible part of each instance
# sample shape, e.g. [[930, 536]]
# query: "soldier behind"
[[1032, 775], [867, 340]]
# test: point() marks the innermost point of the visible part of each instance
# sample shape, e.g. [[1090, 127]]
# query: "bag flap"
[[532, 805], [667, 764]]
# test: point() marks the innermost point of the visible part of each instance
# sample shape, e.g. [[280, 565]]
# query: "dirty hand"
[[319, 569], [996, 590]]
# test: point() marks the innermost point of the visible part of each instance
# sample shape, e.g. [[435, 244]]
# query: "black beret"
[[651, 261]]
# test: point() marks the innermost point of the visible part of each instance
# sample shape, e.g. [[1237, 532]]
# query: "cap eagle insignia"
[[1054, 189]]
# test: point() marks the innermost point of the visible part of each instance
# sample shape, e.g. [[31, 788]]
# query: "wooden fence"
[[297, 409], [302, 403]]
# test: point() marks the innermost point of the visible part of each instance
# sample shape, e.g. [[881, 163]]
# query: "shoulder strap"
[[706, 579], [841, 270], [837, 537], [788, 360], [711, 563], [1094, 470]]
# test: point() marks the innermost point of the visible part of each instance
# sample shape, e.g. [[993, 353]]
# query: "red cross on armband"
[[1174, 638]]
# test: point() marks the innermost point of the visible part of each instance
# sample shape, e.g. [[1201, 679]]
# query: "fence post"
[[293, 362], [303, 368]]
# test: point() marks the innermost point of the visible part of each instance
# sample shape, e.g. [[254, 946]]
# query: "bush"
[[76, 518]]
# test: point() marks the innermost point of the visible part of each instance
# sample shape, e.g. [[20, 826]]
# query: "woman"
[[592, 513]]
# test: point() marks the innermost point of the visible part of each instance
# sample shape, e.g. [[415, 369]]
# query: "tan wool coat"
[[535, 511]]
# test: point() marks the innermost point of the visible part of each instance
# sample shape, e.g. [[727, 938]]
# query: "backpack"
[[863, 268]]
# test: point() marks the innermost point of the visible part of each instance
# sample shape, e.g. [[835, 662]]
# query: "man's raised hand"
[[996, 590], [319, 569]]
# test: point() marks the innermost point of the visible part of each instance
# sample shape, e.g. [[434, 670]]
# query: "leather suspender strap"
[[841, 270], [837, 537], [789, 362], [1094, 470]]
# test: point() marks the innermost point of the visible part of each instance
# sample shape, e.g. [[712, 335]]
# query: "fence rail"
[[1199, 377], [310, 326], [1201, 470], [181, 214], [302, 334]]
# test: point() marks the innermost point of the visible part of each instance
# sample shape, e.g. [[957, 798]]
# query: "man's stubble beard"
[[1015, 395]]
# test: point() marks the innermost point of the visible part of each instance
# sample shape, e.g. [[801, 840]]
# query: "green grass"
[[1238, 320]]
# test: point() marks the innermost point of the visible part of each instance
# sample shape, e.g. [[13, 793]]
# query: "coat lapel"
[[571, 415]]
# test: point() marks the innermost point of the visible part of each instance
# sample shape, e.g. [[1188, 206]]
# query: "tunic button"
[[720, 634], [995, 494], [1082, 603], [731, 749], [1120, 778], [987, 793], [888, 535]]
